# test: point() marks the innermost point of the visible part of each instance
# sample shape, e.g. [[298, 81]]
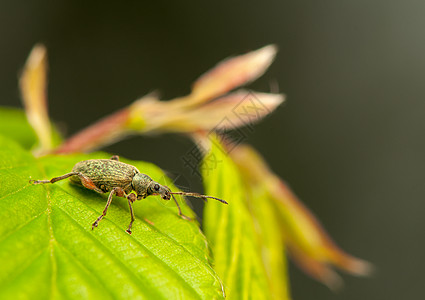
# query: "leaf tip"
[[266, 54], [358, 267]]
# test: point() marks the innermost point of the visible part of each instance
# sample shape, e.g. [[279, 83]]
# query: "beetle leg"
[[115, 157], [54, 179], [115, 191], [131, 198], [85, 181], [180, 211]]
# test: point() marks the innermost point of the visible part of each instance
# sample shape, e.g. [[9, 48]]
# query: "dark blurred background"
[[349, 139]]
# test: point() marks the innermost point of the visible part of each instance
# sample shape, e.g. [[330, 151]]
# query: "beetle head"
[[145, 186], [157, 189]]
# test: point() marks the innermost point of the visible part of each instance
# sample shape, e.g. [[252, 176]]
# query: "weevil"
[[122, 180]]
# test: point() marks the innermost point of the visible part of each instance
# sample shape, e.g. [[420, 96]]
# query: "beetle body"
[[106, 174], [121, 179]]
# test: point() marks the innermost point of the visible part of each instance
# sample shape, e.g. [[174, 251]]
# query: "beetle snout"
[[165, 194]]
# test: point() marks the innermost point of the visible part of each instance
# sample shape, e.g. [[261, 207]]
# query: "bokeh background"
[[349, 139]]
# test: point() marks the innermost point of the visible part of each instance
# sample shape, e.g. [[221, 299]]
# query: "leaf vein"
[[23, 268], [16, 229], [106, 248], [81, 266], [175, 242], [15, 191]]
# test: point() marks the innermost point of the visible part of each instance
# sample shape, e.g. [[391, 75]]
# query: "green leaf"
[[270, 240], [244, 236], [14, 125], [231, 232], [48, 250]]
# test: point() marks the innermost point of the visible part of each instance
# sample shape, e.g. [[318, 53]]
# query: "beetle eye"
[[156, 187]]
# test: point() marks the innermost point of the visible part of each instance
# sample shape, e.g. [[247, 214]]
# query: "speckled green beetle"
[[121, 179]]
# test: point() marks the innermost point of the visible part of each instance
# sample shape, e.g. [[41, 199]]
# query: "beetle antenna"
[[203, 197]]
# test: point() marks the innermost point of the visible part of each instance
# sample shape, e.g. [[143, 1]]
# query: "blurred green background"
[[349, 140]]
